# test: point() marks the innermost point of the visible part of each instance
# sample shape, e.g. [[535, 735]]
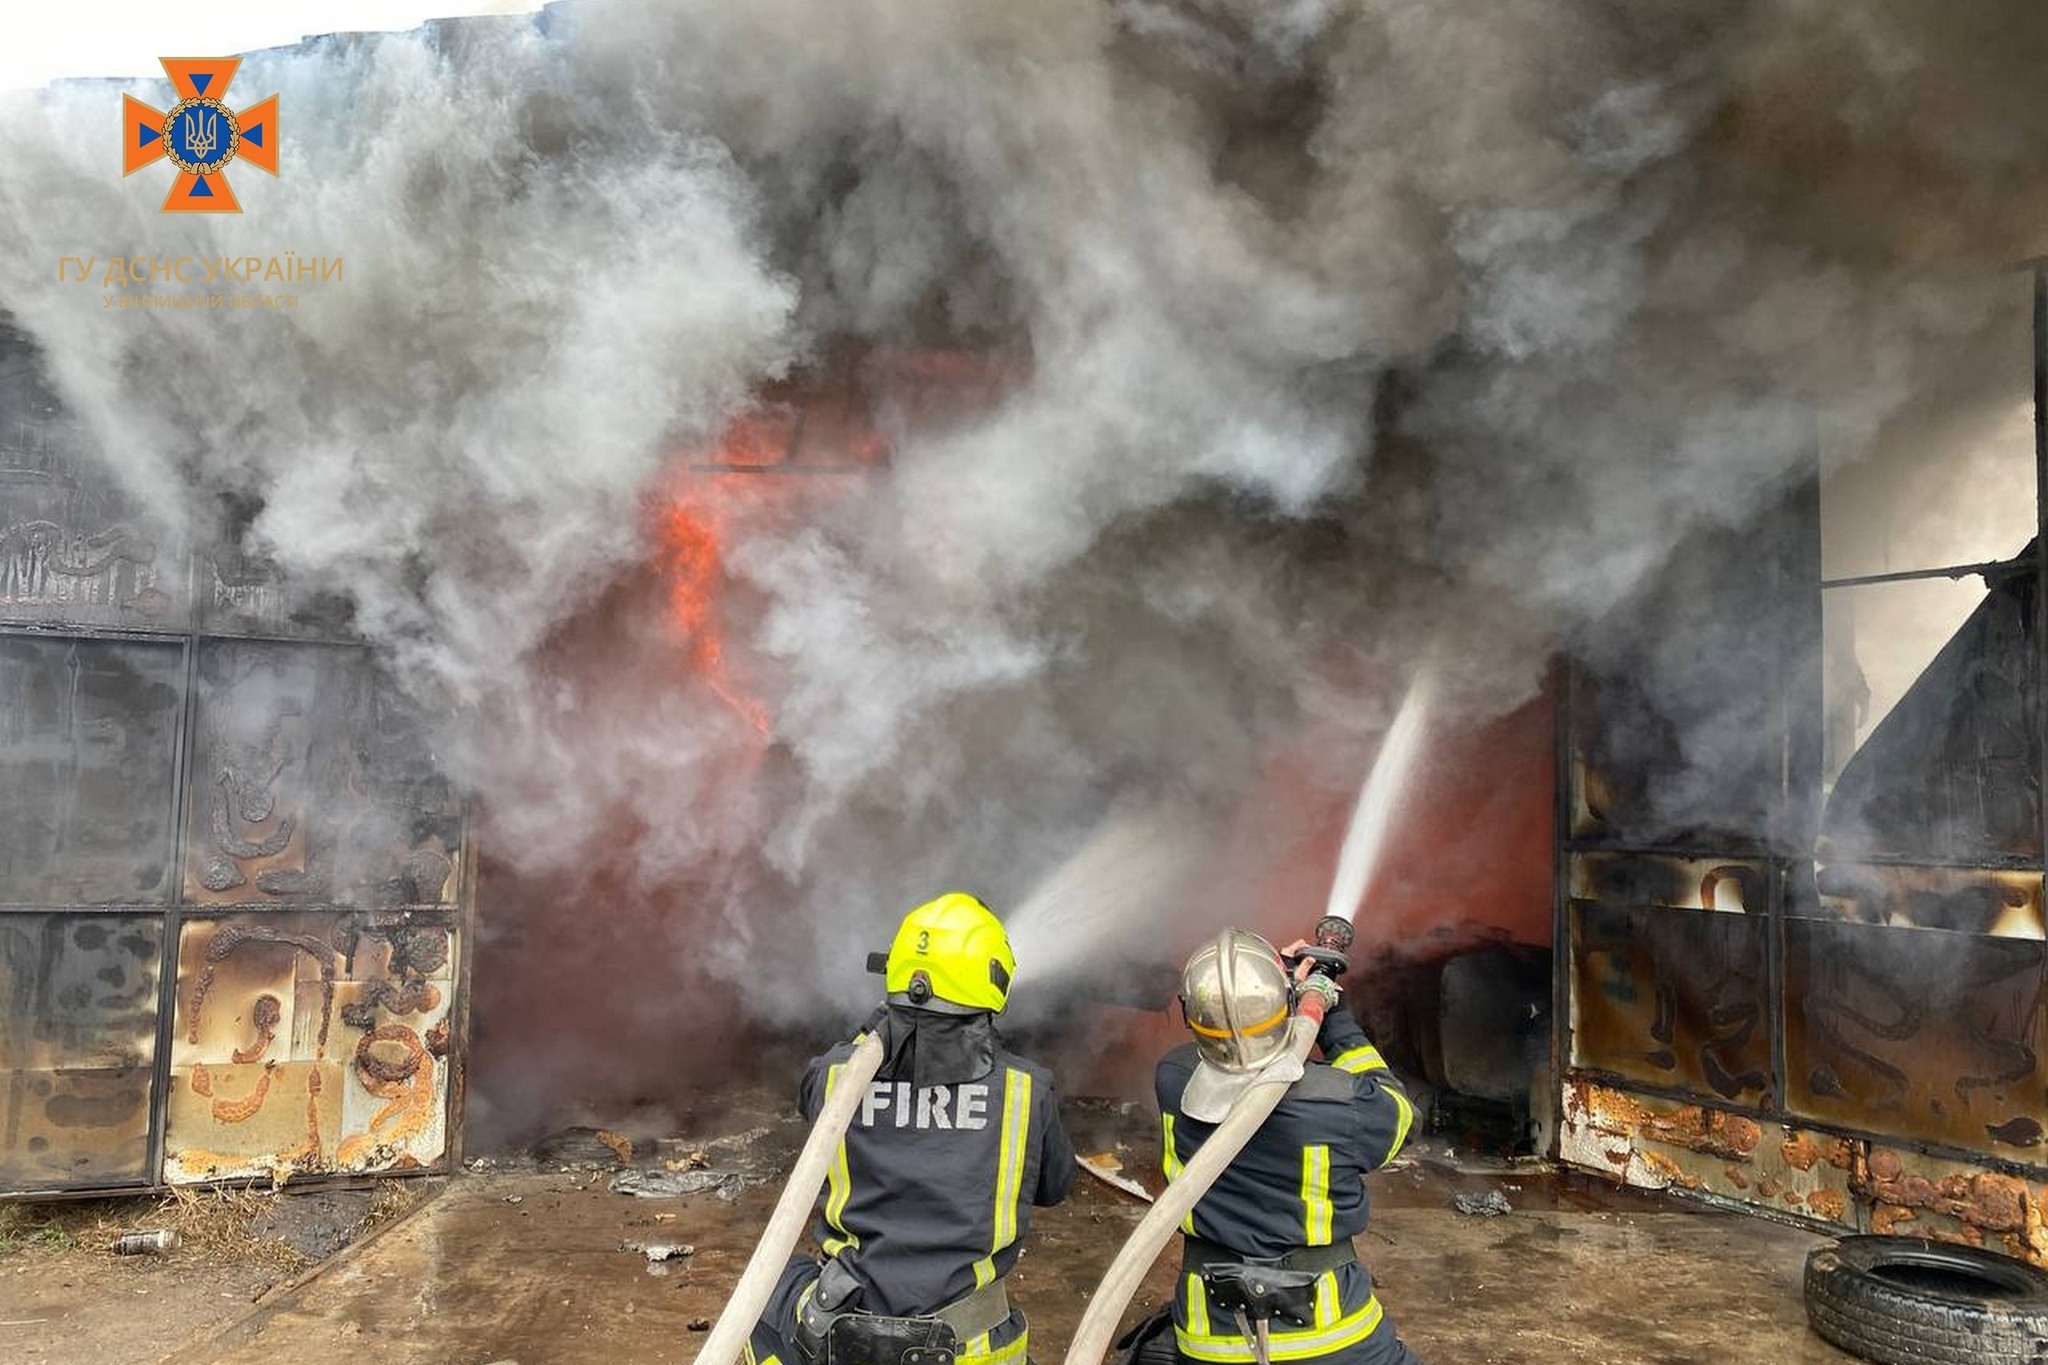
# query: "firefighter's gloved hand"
[[1319, 984]]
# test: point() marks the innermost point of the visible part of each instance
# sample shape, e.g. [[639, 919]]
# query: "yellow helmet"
[[952, 955]]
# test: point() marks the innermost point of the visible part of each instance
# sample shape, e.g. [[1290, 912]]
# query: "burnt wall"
[[1810, 982], [233, 888]]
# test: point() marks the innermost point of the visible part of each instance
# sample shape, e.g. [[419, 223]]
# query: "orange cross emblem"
[[200, 135]]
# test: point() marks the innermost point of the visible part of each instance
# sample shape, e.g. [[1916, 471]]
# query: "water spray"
[[1327, 948], [1135, 860], [1366, 838]]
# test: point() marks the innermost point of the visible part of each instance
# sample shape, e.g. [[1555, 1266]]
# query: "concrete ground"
[[527, 1266]]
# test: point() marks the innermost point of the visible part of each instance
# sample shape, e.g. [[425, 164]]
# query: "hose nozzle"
[[1328, 949]]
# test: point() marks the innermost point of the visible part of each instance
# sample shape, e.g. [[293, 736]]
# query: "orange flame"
[[691, 554]]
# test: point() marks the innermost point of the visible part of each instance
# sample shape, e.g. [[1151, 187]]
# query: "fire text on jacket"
[[896, 1104]]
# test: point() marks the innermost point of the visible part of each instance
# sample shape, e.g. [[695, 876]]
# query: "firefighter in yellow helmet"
[[932, 1190], [1269, 1273]]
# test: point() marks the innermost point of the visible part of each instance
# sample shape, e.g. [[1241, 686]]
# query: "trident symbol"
[[201, 136], [201, 130]]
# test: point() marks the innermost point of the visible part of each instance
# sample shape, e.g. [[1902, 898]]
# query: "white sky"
[[125, 37]]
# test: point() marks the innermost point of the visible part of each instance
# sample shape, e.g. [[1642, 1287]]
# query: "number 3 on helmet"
[[951, 955]]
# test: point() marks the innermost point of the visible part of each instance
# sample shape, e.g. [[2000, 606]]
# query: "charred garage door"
[[1801, 833], [233, 887]]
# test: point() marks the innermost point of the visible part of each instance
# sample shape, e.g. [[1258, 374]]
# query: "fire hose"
[[793, 1209], [1099, 1323]]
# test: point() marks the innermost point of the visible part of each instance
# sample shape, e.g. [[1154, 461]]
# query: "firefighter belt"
[[1258, 1289], [831, 1330]]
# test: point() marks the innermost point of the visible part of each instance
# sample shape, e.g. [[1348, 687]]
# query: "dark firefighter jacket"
[[931, 1191], [1297, 1183]]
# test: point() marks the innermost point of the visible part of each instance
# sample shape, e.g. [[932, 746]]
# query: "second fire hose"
[[793, 1209], [1099, 1323]]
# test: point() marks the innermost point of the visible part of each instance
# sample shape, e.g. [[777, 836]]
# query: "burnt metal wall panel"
[[1672, 998], [1911, 1194], [1659, 879], [88, 757], [78, 1011], [1843, 1182], [1904, 949], [238, 594], [312, 783], [1920, 1034], [270, 721], [1662, 1144], [73, 551], [310, 1042], [1677, 734], [1999, 902], [205, 784], [68, 558]]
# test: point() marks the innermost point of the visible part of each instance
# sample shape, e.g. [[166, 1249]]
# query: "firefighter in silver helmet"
[[1269, 1273], [931, 1192]]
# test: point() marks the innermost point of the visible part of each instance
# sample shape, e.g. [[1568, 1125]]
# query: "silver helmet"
[[1234, 993]]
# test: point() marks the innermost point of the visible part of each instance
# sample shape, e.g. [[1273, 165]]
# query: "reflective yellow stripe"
[[1169, 1162], [840, 1185], [1009, 1172], [1016, 1129], [1315, 1194], [1359, 1060], [976, 1351], [1248, 1031], [1198, 1343], [1402, 1124], [1198, 1309], [1329, 1303]]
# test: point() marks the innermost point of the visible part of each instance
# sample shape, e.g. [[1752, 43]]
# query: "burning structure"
[[1816, 983], [1032, 446]]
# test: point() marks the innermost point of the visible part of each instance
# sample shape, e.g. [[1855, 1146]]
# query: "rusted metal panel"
[[311, 784], [1662, 1144], [1674, 998], [310, 1042], [314, 1019], [1915, 1195], [1683, 883], [2004, 904], [78, 1005], [1922, 1034], [88, 761], [1805, 1173]]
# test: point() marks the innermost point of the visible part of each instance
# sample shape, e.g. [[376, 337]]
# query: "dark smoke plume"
[[1342, 337]]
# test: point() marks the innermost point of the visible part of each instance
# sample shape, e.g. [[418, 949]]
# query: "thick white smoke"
[[1344, 333], [455, 433]]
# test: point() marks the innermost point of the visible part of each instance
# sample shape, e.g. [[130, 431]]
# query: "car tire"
[[1908, 1301]]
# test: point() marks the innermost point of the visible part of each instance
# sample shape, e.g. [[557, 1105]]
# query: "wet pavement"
[[527, 1265]]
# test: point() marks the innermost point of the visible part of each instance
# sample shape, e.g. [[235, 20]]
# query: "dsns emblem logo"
[[200, 135]]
